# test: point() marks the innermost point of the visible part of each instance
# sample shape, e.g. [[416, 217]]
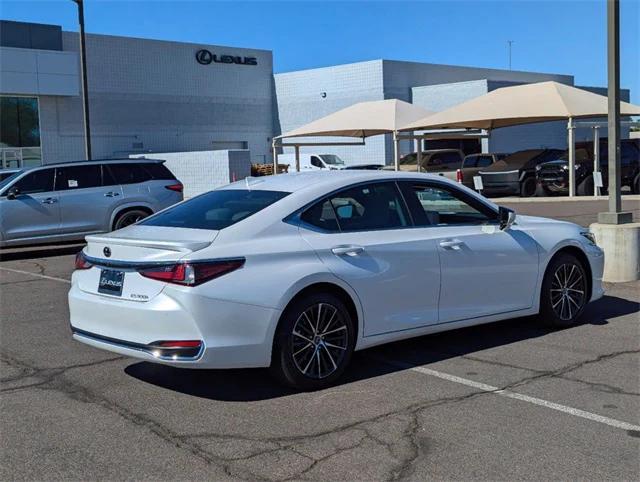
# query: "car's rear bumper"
[[233, 335]]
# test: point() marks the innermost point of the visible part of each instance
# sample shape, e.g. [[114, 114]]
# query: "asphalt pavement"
[[507, 401]]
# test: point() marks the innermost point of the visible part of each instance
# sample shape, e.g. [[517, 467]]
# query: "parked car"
[[516, 173], [553, 176], [366, 167], [61, 202], [473, 164], [441, 162], [312, 161], [5, 173], [296, 272]]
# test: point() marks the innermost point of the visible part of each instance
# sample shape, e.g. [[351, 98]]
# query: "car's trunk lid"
[[127, 251]]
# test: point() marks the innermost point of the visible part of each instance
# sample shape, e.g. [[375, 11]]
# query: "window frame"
[[406, 185], [295, 218]]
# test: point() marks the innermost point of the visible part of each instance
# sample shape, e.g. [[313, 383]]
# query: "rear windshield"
[[215, 210]]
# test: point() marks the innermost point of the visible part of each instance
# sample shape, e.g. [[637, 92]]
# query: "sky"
[[560, 36]]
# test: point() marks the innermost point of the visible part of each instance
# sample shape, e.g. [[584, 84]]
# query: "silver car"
[[63, 202]]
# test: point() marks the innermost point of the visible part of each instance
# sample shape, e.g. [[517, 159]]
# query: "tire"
[[543, 191], [528, 187], [304, 358], [564, 292], [635, 186], [126, 218], [586, 187]]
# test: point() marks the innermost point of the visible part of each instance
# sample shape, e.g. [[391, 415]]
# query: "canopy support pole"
[[571, 141], [297, 148], [596, 158], [418, 154], [396, 151], [275, 157]]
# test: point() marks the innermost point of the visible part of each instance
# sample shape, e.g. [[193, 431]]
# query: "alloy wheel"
[[129, 219], [567, 291], [319, 341]]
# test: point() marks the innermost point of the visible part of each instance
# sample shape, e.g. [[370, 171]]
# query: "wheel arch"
[[581, 256], [327, 285], [128, 207]]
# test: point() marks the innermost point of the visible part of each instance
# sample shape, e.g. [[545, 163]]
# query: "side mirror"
[[507, 217], [13, 192]]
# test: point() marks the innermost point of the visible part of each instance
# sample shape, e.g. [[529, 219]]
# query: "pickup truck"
[[553, 176], [440, 162]]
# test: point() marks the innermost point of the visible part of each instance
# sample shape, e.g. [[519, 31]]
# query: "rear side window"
[[215, 210], [484, 161], [125, 173], [445, 158], [362, 208], [158, 171], [78, 177], [470, 161], [35, 182]]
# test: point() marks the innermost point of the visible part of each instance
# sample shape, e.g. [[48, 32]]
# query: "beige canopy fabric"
[[361, 120], [522, 104]]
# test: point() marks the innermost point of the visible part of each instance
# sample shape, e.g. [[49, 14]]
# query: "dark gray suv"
[[61, 202]]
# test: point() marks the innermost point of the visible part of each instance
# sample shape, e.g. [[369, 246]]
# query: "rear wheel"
[[127, 218], [528, 187], [313, 343], [564, 291]]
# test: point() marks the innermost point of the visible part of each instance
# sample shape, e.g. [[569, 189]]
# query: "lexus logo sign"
[[205, 57]]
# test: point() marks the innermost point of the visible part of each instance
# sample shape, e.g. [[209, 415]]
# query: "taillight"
[[178, 187], [192, 273], [81, 261], [459, 175]]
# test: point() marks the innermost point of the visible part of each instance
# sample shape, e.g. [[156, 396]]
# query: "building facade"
[[151, 96]]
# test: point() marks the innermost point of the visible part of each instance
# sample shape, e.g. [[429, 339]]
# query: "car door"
[[484, 270], [35, 211], [363, 235], [85, 204]]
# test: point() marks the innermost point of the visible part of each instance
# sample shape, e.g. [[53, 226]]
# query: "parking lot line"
[[576, 412], [38, 275]]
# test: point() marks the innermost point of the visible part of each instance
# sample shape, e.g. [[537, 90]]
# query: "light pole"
[[510, 42], [85, 91], [615, 214]]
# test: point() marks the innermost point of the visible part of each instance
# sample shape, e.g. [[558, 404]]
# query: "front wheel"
[[528, 187], [128, 218], [564, 291], [313, 343]]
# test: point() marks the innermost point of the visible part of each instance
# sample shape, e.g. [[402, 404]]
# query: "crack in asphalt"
[[403, 450]]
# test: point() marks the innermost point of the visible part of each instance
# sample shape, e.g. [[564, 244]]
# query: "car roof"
[[324, 180], [94, 161]]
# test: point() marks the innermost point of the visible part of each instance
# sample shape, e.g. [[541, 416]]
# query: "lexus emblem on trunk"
[[107, 251]]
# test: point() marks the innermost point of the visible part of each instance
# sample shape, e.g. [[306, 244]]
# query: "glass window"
[[78, 177], [215, 210], [441, 206], [332, 159], [484, 161], [447, 158], [316, 162], [370, 207], [629, 153], [321, 215], [35, 182], [158, 171], [19, 120], [127, 173], [470, 161]]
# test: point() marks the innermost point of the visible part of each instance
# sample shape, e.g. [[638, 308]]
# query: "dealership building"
[[151, 96]]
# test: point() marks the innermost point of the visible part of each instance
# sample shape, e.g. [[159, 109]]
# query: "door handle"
[[348, 250], [111, 194], [451, 243], [49, 200]]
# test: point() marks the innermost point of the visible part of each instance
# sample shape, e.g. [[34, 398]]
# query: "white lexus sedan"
[[295, 272]]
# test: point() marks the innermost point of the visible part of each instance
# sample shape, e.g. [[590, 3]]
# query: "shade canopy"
[[522, 104], [361, 120]]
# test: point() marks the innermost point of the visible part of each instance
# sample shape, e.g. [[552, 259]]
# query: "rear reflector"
[[459, 175], [175, 349], [178, 187], [180, 344], [192, 273], [81, 261]]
